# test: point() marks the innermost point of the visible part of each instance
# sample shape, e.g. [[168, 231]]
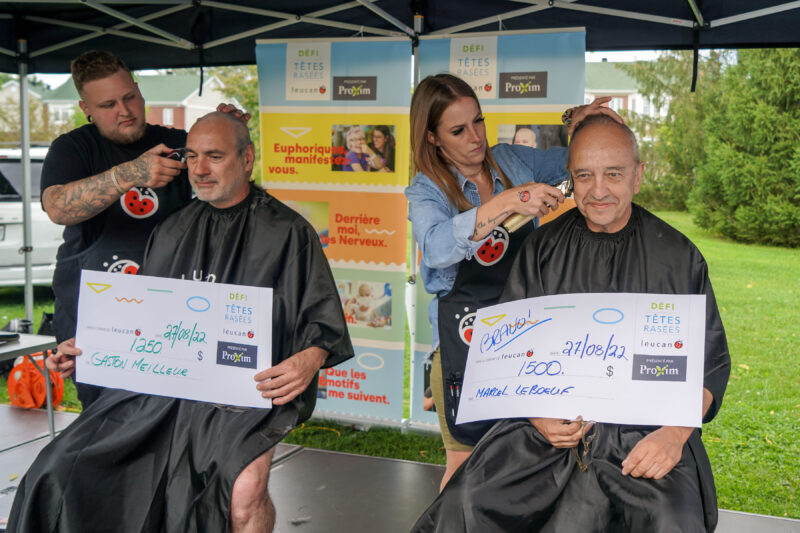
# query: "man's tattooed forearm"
[[80, 200], [136, 172]]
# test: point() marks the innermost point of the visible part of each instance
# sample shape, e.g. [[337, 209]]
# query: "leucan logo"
[[659, 367], [355, 88], [239, 355], [523, 85]]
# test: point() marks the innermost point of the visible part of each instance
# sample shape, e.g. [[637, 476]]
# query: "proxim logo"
[[239, 355], [659, 367], [523, 85], [360, 88]]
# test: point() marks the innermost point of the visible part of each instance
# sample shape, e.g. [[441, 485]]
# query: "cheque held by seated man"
[[133, 462], [532, 475]]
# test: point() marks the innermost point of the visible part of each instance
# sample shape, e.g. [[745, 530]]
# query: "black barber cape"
[[515, 480], [134, 462]]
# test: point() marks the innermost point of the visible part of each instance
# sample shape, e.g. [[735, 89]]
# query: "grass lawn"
[[752, 443]]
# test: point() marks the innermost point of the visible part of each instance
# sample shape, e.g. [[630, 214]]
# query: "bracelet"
[[566, 117], [116, 183]]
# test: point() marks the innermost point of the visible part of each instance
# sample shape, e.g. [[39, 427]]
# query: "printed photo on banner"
[[366, 303], [365, 148], [542, 136], [317, 214]]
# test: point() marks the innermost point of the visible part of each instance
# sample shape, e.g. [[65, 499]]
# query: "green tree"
[[748, 187], [241, 83], [677, 142], [42, 130]]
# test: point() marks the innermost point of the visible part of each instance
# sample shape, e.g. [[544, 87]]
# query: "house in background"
[[172, 99], [605, 79], [9, 91]]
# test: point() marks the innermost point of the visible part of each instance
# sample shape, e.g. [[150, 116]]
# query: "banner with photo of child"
[[335, 148], [524, 81]]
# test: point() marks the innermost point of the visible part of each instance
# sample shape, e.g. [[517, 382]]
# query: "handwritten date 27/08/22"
[[587, 347]]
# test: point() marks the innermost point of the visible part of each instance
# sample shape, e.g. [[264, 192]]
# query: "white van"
[[47, 237]]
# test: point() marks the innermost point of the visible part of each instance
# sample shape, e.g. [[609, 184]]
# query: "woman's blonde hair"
[[432, 96]]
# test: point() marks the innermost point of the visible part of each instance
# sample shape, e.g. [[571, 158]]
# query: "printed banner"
[[423, 412], [524, 81], [335, 148], [609, 357], [172, 337], [354, 227]]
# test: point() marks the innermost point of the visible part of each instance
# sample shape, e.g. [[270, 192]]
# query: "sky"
[[54, 80]]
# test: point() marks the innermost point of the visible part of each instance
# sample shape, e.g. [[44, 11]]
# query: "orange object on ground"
[[26, 385]]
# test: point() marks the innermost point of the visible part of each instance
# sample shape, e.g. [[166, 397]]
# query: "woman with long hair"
[[382, 148], [461, 194]]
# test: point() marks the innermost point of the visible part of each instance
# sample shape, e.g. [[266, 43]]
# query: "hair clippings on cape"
[[516, 221]]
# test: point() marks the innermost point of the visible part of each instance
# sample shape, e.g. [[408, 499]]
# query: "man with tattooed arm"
[[108, 183]]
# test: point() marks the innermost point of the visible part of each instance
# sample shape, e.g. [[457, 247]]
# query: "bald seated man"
[[562, 476], [134, 462]]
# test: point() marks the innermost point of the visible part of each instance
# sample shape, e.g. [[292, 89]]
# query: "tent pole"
[[25, 137], [418, 22], [411, 285]]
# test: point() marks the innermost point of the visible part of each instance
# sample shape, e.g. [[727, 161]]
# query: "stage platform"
[[314, 490]]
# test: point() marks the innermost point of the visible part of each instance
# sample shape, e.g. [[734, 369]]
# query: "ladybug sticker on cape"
[[465, 326], [139, 202], [493, 248], [122, 266]]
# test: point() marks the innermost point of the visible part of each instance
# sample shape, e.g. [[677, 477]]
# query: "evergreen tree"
[[678, 141], [748, 186]]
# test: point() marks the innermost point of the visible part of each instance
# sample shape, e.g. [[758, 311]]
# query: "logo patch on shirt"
[[239, 355], [493, 248], [121, 266], [140, 202], [466, 326]]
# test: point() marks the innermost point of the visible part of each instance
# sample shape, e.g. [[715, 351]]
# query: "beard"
[[126, 136]]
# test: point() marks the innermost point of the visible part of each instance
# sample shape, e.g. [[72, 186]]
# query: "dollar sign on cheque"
[[200, 355], [609, 371]]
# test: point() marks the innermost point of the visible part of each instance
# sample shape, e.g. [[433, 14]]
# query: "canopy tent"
[[42, 36], [174, 33]]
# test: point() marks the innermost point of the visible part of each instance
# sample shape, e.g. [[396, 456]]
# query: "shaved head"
[[241, 133], [594, 120]]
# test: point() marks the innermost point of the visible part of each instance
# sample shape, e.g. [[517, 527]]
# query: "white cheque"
[[617, 357], [170, 337]]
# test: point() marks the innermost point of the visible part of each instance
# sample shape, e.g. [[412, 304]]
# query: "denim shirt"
[[443, 234]]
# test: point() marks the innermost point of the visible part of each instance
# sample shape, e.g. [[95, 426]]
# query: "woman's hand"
[[561, 433], [64, 359], [598, 107], [536, 199], [531, 199]]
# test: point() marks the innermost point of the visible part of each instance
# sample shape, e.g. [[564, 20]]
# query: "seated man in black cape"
[[564, 476], [134, 462]]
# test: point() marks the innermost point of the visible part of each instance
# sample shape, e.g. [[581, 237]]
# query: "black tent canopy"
[[166, 33]]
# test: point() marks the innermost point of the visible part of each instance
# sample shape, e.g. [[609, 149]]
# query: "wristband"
[[115, 182]]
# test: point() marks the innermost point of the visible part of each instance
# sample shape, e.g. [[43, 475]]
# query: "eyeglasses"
[[584, 458]]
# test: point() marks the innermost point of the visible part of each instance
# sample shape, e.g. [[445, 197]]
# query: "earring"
[[89, 118]]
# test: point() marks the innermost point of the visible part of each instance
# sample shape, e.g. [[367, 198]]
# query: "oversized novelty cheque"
[[171, 337], [617, 358]]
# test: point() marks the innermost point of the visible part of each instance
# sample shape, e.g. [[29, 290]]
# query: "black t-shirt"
[[83, 152], [114, 240]]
